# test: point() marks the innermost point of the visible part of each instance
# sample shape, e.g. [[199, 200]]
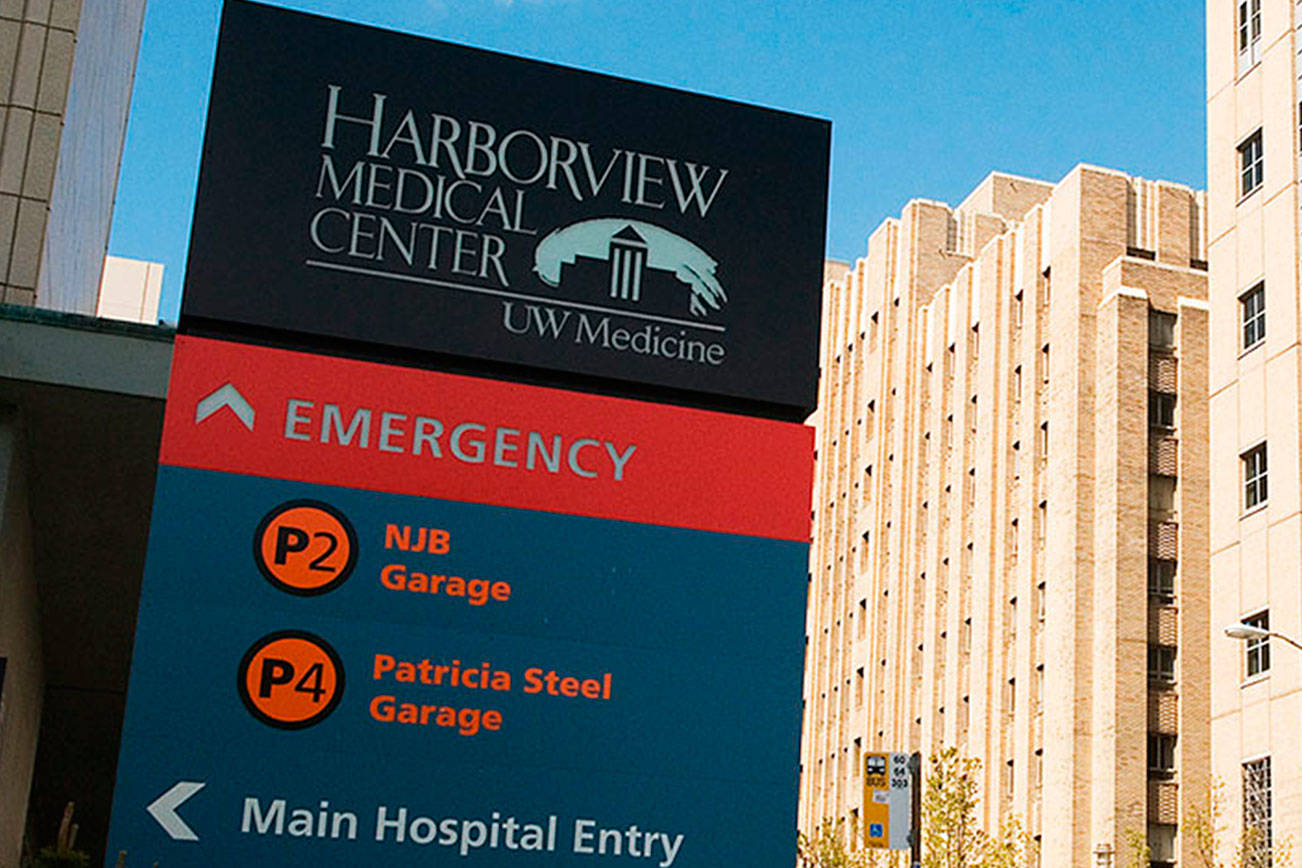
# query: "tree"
[[1140, 852], [952, 836], [1205, 828], [1013, 848], [827, 848]]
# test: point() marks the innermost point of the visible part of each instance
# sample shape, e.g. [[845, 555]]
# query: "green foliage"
[[52, 857], [827, 848], [1014, 847], [1137, 847], [952, 836], [1206, 830], [62, 854]]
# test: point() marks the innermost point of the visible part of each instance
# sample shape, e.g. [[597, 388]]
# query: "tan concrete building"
[[66, 70], [1010, 510], [1256, 404], [130, 289]]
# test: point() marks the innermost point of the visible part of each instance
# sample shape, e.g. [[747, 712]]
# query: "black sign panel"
[[367, 186]]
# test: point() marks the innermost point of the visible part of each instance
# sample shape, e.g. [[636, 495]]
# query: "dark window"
[[1254, 476], [1161, 845], [1249, 33], [1161, 409], [1251, 171], [1258, 650], [1252, 307], [1161, 580], [1161, 329], [1161, 663], [1161, 753]]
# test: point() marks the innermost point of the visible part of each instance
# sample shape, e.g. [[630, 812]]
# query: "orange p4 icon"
[[291, 679]]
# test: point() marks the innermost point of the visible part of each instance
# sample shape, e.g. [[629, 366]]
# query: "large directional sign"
[[397, 617], [366, 186]]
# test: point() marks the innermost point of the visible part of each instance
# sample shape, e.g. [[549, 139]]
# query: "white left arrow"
[[226, 396], [163, 809]]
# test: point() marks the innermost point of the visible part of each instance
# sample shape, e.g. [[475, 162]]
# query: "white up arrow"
[[163, 809], [226, 396]]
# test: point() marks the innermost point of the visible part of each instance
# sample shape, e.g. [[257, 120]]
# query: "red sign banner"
[[274, 413]]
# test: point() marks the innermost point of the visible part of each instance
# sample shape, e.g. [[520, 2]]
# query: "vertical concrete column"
[[1120, 641], [20, 644], [1193, 752]]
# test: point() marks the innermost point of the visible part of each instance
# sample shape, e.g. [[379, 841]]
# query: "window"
[[1258, 650], [1161, 844], [1161, 663], [1161, 409], [1256, 812], [1161, 580], [1161, 754], [1161, 494], [1249, 34], [1251, 173], [1252, 306], [1017, 309], [1161, 329], [1254, 476], [1044, 363]]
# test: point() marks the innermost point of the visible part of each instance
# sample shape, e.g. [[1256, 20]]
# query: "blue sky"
[[926, 96]]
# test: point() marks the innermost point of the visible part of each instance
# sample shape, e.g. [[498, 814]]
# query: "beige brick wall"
[[972, 586]]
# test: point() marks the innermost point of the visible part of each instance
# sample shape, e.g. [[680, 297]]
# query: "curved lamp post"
[[1247, 631]]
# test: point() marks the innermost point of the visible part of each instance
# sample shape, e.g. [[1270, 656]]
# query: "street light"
[[1247, 631]]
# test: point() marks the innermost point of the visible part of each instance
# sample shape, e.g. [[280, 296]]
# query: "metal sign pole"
[[915, 834]]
